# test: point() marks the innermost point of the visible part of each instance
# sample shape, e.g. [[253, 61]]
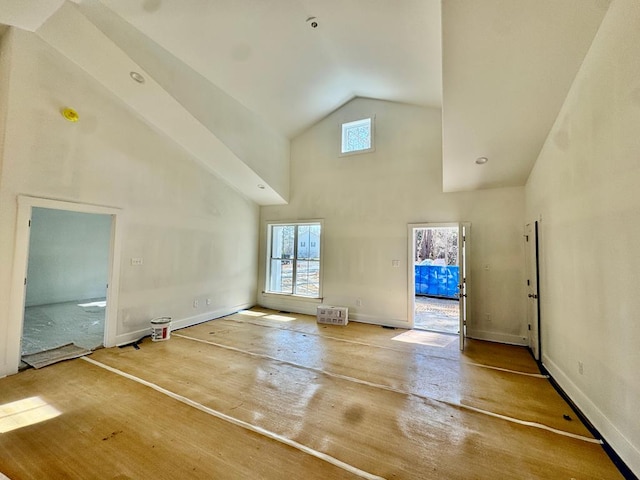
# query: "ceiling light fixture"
[[481, 160], [137, 77]]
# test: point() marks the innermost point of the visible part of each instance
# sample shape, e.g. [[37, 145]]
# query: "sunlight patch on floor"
[[25, 412], [250, 313], [280, 318], [431, 339], [102, 304]]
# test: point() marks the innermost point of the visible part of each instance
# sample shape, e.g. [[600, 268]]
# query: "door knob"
[[533, 295]]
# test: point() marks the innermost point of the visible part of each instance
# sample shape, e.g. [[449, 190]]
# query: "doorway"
[[437, 278], [533, 281], [17, 301], [67, 276]]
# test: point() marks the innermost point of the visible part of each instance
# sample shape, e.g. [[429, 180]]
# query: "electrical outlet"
[[580, 368], [136, 262], [195, 303], [358, 302], [487, 317], [395, 263], [208, 301]]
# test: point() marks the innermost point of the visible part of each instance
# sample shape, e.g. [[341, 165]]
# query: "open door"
[[438, 277], [533, 300], [463, 232]]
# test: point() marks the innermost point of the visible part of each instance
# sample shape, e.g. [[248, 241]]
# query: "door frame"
[[21, 261], [411, 273], [532, 268]]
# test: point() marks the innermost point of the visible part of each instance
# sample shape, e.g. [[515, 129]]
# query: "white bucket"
[[160, 329]]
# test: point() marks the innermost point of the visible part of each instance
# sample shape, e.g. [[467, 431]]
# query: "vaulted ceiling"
[[220, 69]]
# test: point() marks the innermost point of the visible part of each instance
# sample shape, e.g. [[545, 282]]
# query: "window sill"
[[357, 152]]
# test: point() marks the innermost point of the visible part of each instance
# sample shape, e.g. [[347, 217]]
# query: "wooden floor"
[[265, 395]]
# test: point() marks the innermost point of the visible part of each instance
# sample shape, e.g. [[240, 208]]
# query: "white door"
[[463, 232], [531, 256]]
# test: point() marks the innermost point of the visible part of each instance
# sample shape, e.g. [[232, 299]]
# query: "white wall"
[[197, 236], [68, 256], [585, 185], [252, 139], [367, 201]]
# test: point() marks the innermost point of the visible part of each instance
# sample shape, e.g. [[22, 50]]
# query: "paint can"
[[160, 329]]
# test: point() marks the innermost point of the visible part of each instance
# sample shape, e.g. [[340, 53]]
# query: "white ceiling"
[[500, 69], [267, 56], [507, 68]]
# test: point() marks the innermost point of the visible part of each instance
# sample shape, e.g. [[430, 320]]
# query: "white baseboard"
[[129, 337], [308, 307], [305, 306], [375, 320], [620, 444], [497, 337]]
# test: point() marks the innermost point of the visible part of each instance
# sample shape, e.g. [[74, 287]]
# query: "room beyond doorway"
[[67, 276]]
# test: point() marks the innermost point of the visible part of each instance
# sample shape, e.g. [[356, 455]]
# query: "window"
[[294, 259], [357, 137]]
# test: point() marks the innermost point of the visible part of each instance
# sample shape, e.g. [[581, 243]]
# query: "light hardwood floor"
[[266, 395]]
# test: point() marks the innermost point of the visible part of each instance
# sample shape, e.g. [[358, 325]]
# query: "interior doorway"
[[438, 278], [17, 300], [67, 277]]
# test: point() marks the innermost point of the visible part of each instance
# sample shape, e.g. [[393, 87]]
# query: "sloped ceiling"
[[246, 76], [507, 68], [266, 54]]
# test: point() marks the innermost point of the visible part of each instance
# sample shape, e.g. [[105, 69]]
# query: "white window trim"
[[373, 137], [268, 224]]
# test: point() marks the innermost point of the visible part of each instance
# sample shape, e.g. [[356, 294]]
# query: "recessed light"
[[260, 186], [137, 77], [481, 160]]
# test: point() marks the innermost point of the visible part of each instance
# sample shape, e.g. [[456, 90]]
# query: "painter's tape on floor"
[[240, 423], [383, 347], [526, 423], [481, 365]]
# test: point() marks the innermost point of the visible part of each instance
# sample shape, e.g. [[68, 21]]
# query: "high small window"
[[294, 259], [357, 136]]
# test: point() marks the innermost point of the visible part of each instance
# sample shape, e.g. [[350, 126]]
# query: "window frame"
[[372, 131], [294, 259]]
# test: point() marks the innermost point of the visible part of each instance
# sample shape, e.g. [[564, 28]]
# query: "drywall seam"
[[234, 421], [402, 392]]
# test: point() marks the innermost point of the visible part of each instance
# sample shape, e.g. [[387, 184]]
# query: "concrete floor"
[[50, 326], [437, 314]]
